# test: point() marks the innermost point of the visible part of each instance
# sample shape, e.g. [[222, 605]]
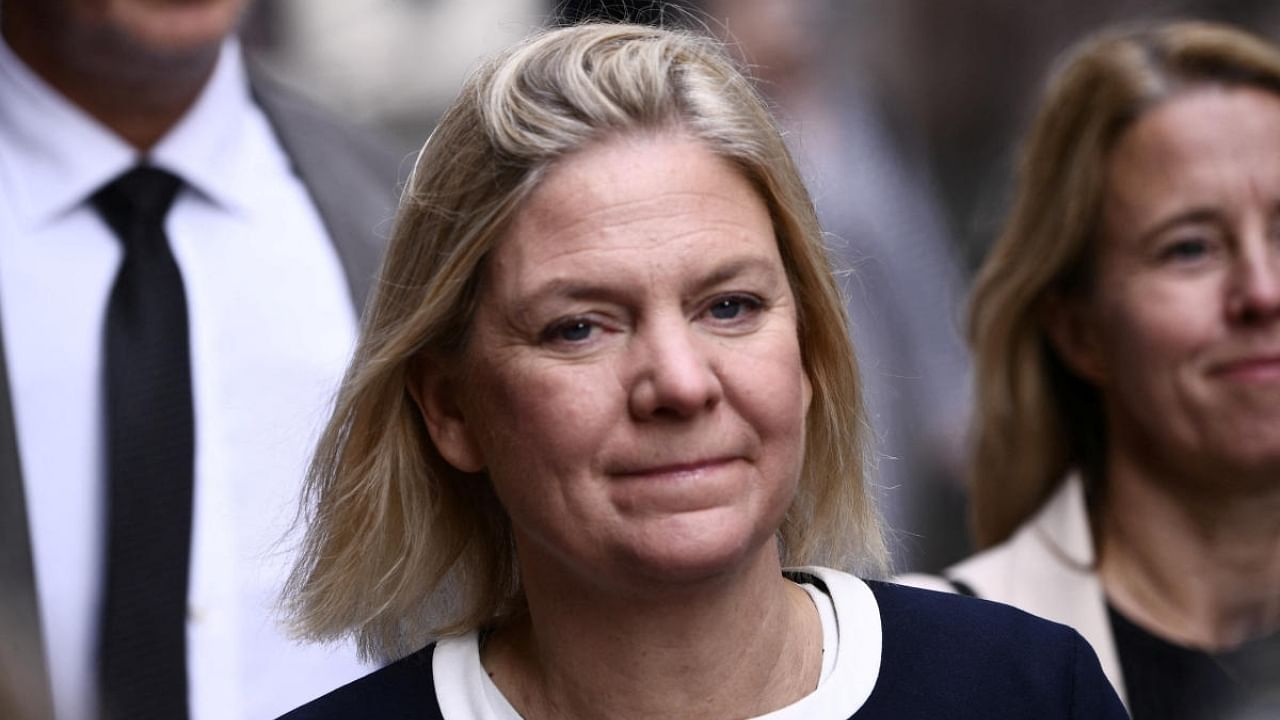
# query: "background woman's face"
[[1185, 313], [634, 383]]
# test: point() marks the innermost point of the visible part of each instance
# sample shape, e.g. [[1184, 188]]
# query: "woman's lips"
[[673, 469], [1252, 368], [677, 487]]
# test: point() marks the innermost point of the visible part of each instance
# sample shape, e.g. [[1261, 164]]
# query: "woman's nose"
[[675, 373], [1255, 295]]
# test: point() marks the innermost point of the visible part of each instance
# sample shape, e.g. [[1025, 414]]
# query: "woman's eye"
[[575, 330], [1187, 250], [732, 307]]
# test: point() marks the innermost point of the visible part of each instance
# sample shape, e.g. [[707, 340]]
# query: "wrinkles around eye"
[[736, 312]]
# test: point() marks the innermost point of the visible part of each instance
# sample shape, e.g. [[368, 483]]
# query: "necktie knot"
[[137, 201]]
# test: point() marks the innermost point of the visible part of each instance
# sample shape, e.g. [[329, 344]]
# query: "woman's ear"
[[435, 390], [1073, 332]]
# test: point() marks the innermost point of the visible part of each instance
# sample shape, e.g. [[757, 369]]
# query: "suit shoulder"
[[404, 689], [302, 124]]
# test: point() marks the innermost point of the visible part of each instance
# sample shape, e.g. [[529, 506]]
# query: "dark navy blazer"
[[943, 657]]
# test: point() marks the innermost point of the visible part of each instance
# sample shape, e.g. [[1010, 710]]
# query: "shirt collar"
[[54, 155], [207, 147]]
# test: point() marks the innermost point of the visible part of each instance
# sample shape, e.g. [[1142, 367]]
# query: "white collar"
[[61, 154], [207, 147], [465, 690], [54, 154], [1063, 524]]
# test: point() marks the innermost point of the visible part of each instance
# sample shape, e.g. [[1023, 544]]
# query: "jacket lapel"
[[22, 653], [350, 174]]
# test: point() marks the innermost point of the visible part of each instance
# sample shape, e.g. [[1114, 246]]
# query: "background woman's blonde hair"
[[1035, 419], [400, 546]]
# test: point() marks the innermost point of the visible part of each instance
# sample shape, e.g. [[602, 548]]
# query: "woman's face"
[[633, 383], [1182, 331]]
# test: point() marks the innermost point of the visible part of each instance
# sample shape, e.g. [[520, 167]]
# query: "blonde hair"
[[1036, 419], [400, 546]]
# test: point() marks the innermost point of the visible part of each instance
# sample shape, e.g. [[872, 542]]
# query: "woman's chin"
[[685, 557]]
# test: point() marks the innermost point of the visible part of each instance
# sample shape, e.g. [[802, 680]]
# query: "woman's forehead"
[[633, 194]]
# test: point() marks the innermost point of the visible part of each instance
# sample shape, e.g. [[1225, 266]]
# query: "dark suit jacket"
[[351, 176], [943, 657]]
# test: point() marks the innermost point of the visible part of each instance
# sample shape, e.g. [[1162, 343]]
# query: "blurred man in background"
[[184, 249]]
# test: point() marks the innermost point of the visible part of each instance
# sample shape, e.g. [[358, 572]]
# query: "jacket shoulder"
[[958, 620], [944, 653], [308, 126], [403, 690]]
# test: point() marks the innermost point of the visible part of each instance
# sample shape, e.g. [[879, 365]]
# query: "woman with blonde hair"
[[1126, 331], [603, 396]]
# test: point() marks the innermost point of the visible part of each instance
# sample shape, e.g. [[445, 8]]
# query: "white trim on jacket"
[[1046, 568]]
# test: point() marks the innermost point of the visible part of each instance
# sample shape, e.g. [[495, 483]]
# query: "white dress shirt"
[[271, 328]]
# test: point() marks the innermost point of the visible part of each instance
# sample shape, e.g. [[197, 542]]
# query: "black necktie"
[[150, 453]]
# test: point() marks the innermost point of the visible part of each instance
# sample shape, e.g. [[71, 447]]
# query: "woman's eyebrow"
[[570, 288], [1190, 216], [576, 288], [525, 305], [737, 267]]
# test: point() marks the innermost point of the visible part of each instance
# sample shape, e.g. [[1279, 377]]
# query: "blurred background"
[[904, 115]]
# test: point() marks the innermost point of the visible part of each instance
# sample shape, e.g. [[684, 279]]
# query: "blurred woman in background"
[[1126, 328]]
